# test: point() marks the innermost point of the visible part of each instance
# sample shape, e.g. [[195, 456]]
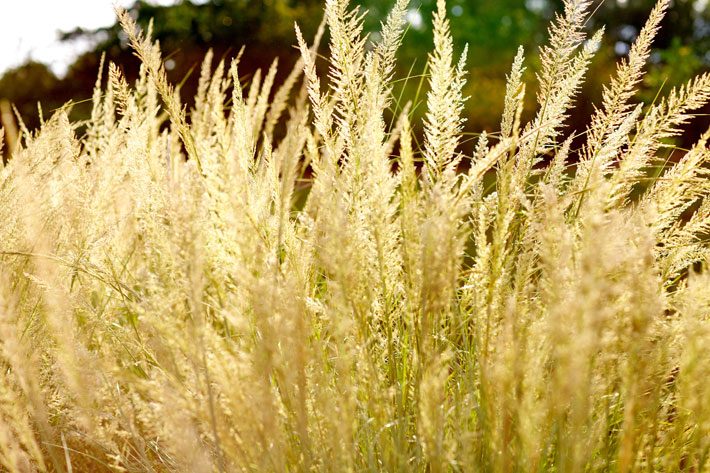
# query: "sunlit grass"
[[282, 279]]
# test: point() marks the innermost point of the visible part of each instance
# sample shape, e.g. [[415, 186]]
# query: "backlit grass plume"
[[281, 279]]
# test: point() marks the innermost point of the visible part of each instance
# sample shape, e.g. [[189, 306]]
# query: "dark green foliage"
[[492, 29]]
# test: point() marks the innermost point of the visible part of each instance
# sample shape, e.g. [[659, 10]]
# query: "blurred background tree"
[[493, 29]]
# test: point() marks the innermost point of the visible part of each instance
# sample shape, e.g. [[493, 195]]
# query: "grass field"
[[281, 280]]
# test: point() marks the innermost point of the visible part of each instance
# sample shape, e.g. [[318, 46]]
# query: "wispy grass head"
[[279, 280]]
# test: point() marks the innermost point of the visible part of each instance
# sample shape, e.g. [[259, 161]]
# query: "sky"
[[29, 29]]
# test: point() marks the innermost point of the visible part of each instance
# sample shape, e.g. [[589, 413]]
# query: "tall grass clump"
[[279, 280]]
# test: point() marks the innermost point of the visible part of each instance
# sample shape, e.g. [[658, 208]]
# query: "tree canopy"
[[492, 29]]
